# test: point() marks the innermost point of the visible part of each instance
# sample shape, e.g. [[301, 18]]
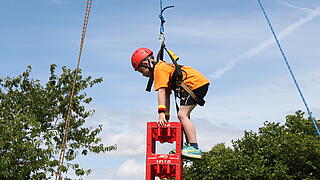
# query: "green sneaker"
[[191, 152], [173, 151]]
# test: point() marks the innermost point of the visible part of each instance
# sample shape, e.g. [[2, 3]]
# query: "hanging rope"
[[288, 65], [67, 125], [162, 45], [161, 36], [161, 16]]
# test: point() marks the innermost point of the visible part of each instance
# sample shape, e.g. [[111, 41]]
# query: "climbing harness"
[[177, 81], [289, 68], [67, 125], [177, 78]]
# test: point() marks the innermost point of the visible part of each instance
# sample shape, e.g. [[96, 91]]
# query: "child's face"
[[144, 71]]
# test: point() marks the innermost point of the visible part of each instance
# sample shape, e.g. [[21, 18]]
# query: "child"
[[143, 61]]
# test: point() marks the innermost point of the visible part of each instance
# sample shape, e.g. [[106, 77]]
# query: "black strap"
[[176, 79], [177, 83], [159, 57]]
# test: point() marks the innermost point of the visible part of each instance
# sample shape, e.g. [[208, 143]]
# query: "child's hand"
[[162, 119]]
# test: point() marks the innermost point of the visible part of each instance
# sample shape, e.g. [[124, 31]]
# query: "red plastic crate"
[[163, 165]]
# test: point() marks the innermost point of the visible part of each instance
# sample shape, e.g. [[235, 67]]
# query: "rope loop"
[[161, 16]]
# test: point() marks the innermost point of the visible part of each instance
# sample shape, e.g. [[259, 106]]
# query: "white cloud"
[[293, 6], [130, 143], [131, 168], [252, 52]]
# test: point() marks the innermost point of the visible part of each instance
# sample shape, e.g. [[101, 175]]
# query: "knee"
[[182, 116]]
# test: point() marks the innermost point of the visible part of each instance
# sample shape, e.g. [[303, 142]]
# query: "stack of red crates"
[[164, 165]]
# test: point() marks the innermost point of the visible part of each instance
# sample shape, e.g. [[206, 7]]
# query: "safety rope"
[[161, 16], [288, 65], [162, 45], [67, 125], [162, 21]]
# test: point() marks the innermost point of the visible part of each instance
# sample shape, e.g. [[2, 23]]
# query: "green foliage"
[[32, 120], [290, 151]]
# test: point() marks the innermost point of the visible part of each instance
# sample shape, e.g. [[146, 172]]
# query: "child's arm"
[[167, 113], [162, 102]]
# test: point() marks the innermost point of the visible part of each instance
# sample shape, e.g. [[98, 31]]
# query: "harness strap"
[[177, 82], [159, 57], [198, 100], [150, 82], [177, 78]]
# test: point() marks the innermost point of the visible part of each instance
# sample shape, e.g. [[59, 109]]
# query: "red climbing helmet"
[[139, 55]]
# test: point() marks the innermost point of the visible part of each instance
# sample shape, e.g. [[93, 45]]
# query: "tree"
[[32, 120], [290, 151]]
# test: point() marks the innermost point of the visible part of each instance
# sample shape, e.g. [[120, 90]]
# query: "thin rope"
[[288, 65], [67, 126], [161, 19], [161, 16]]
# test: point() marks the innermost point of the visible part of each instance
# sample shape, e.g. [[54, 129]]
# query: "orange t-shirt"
[[163, 72]]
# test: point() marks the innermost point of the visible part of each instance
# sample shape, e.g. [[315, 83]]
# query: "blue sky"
[[228, 41]]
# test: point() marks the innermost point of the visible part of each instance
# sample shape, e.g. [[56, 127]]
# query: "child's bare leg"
[[188, 127]]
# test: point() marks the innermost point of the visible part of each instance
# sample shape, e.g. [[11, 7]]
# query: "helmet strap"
[[151, 64]]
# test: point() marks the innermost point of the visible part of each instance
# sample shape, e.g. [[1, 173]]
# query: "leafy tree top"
[[32, 120], [289, 151]]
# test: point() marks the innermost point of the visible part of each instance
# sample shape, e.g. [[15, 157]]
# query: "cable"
[[288, 65]]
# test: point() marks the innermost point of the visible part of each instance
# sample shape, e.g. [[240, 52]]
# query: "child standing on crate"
[[143, 61]]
